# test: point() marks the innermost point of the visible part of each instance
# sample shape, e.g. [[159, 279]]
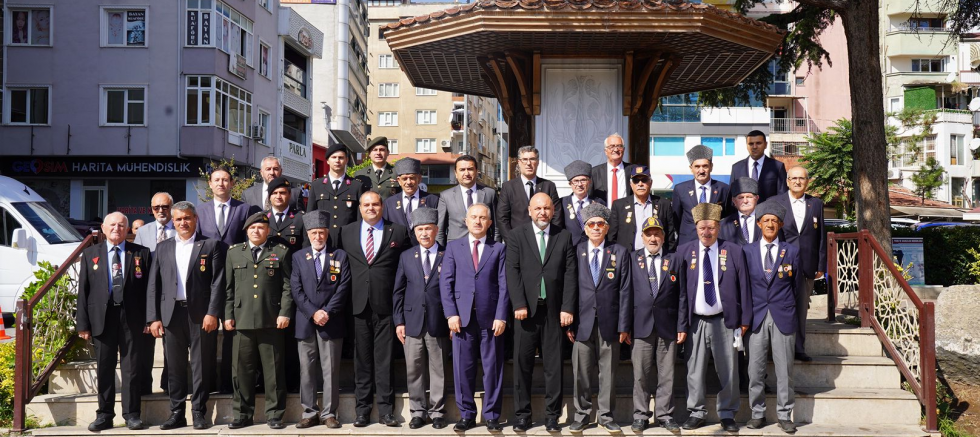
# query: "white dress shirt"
[[799, 210], [763, 251], [411, 201], [218, 213], [462, 193], [701, 307], [621, 181], [479, 248], [660, 260], [333, 179], [183, 251], [592, 253], [323, 259], [430, 253], [534, 184], [122, 260], [537, 235], [379, 233], [751, 163], [707, 191], [749, 224]]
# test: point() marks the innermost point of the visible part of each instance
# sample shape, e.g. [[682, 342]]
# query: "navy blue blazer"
[[395, 213], [731, 230], [330, 293], [234, 232], [685, 198], [812, 241], [611, 300], [570, 221], [778, 294], [772, 176], [733, 281], [480, 292], [663, 308], [417, 301]]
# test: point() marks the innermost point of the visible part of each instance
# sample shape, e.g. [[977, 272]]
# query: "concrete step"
[[840, 339], [854, 407]]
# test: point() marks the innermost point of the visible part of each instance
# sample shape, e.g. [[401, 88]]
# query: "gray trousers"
[[647, 353], [585, 356], [710, 338], [425, 358], [319, 359], [782, 359], [803, 291]]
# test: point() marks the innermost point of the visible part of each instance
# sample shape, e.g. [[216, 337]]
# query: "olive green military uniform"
[[290, 232], [257, 294], [386, 185]]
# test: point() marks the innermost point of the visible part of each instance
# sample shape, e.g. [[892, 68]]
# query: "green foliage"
[[7, 361], [240, 184], [928, 179], [55, 313], [920, 98], [973, 266], [829, 161], [353, 169]]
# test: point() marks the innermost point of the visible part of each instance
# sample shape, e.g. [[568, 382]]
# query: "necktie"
[[541, 247], [162, 235], [579, 213], [704, 195], [336, 186], [469, 197], [769, 262], [614, 193], [652, 272], [476, 254], [408, 210], [745, 228], [426, 264], [317, 266], [595, 266], [369, 250], [279, 218], [256, 251], [755, 170], [379, 175], [530, 190], [221, 218], [266, 193], [708, 276], [117, 278]]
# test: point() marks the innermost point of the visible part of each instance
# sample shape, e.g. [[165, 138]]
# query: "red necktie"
[[614, 194], [476, 255]]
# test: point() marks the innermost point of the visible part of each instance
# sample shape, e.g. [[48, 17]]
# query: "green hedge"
[[920, 98]]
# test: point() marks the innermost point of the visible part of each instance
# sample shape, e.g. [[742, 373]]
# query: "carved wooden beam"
[[495, 78], [642, 81], [669, 65], [536, 83], [518, 63], [628, 84]]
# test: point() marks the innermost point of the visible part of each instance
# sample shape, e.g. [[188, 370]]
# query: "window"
[[30, 27], [28, 105], [387, 61], [231, 105], [124, 106], [895, 104], [929, 147], [928, 65], [264, 51], [425, 145], [381, 33], [266, 4], [668, 146], [214, 24], [7, 226], [393, 145], [800, 80], [200, 94], [720, 146], [680, 108], [425, 117], [780, 80], [387, 119], [424, 92], [956, 152], [124, 27], [920, 23], [388, 90], [264, 123]]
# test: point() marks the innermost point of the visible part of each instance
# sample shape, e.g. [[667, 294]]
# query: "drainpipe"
[[343, 63]]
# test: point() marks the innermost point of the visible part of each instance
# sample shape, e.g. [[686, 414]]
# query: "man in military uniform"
[[336, 193], [258, 306], [380, 175]]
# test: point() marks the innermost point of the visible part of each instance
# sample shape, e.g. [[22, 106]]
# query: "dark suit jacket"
[[664, 309], [731, 230], [611, 300], [812, 241], [778, 294], [330, 293], [254, 196], [685, 199], [474, 292], [732, 283], [525, 269], [513, 203], [376, 281], [342, 204], [772, 176], [207, 225], [204, 289], [394, 211], [93, 287], [623, 221], [566, 210], [599, 172], [418, 302], [452, 211]]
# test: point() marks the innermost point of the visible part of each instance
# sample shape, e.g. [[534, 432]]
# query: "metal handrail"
[[26, 386], [868, 250]]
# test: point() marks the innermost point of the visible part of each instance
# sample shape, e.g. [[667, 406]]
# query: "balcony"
[[295, 135], [789, 148], [790, 126], [953, 116], [921, 43], [293, 79]]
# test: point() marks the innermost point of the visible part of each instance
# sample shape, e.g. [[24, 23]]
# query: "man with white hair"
[[609, 179], [257, 194]]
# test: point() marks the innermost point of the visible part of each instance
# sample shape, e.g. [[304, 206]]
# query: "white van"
[[32, 231]]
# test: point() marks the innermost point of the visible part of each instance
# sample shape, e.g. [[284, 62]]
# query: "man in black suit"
[[740, 227], [516, 193], [701, 189], [257, 194], [768, 172], [543, 286], [336, 193], [609, 179], [373, 247], [185, 297], [632, 211], [579, 174], [398, 208], [112, 283]]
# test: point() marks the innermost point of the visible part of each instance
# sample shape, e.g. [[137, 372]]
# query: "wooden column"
[[516, 82], [644, 76]]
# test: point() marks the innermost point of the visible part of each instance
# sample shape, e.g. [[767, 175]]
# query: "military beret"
[[578, 168], [278, 182], [745, 185], [699, 152], [639, 170], [408, 166], [770, 207], [595, 209], [425, 216], [651, 223], [258, 217], [318, 219], [706, 211], [379, 141], [336, 148]]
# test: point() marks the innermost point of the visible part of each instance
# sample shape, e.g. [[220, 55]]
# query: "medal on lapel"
[[203, 268], [814, 223], [571, 211], [95, 263], [639, 260], [690, 193], [666, 264], [308, 256], [629, 216], [421, 201], [610, 275], [139, 271], [722, 260], [694, 260], [612, 260], [789, 270], [398, 205], [780, 272]]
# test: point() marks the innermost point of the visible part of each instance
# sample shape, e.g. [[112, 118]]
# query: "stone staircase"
[[849, 389]]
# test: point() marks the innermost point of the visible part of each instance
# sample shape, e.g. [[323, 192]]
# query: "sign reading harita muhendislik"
[[97, 166]]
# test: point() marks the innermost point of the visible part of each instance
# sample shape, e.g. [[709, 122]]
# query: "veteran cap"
[[699, 152], [578, 168], [379, 141], [651, 223], [425, 216], [595, 209], [745, 185], [318, 219], [706, 211], [258, 217], [408, 166], [639, 170], [278, 182], [770, 207]]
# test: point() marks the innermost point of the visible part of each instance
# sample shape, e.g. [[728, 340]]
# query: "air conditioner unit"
[[257, 131], [894, 173]]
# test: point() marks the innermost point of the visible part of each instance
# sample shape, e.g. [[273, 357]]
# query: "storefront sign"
[[908, 255], [305, 39], [237, 66], [297, 151], [27, 166]]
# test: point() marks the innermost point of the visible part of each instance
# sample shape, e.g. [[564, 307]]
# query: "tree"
[[928, 179], [829, 162], [236, 190]]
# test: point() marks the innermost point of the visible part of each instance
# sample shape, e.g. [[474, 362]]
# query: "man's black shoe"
[[787, 426], [361, 421], [200, 422], [802, 356], [551, 425], [639, 425], [276, 424], [729, 425], [612, 427], [388, 420], [439, 423], [756, 423], [463, 425], [577, 426], [493, 425], [240, 423], [693, 423], [522, 425], [416, 423], [100, 424], [176, 420], [670, 425], [135, 424]]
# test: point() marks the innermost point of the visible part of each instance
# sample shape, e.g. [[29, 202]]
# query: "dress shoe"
[[136, 424], [276, 424], [693, 423], [611, 427], [361, 421], [389, 420], [639, 425], [551, 425], [756, 423], [729, 425], [522, 425], [464, 424], [803, 357], [240, 423], [670, 425], [439, 423], [200, 421], [787, 426], [176, 420], [331, 422], [308, 422], [100, 424], [416, 423], [493, 425], [577, 426]]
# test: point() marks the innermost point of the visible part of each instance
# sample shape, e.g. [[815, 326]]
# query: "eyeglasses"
[[582, 181], [596, 224], [160, 207], [527, 160], [615, 146], [797, 179]]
